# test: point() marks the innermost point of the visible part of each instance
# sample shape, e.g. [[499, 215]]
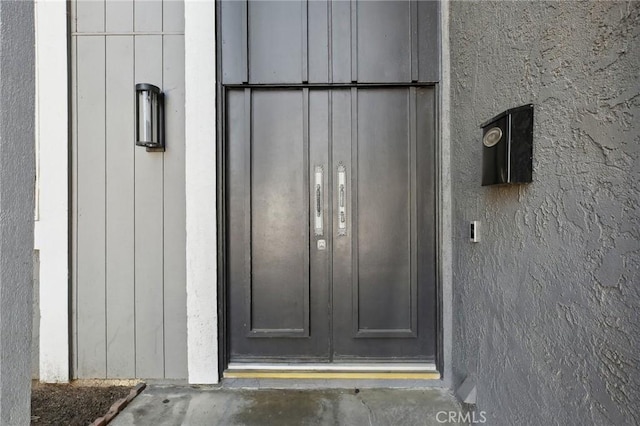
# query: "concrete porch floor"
[[184, 405]]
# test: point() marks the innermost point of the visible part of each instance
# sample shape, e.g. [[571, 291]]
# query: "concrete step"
[[201, 406]]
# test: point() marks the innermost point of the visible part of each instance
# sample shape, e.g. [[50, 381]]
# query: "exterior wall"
[[17, 173], [546, 306], [128, 215]]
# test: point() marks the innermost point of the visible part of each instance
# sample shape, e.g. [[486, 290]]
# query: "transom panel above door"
[[294, 42], [330, 223]]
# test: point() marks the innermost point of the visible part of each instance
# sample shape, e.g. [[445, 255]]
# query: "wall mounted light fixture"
[[149, 117]]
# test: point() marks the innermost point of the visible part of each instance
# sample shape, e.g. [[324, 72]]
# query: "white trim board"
[[51, 226], [200, 181]]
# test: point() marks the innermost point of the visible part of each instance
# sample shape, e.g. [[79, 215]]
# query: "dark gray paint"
[[17, 176], [279, 251], [385, 157], [546, 306], [279, 283], [340, 42], [233, 45], [383, 30], [277, 42], [318, 33], [383, 307], [428, 40], [278, 287], [368, 294]]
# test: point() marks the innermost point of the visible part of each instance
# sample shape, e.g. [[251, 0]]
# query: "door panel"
[[233, 45], [374, 279], [278, 154], [381, 301], [268, 215], [318, 49], [384, 282], [384, 30], [277, 50]]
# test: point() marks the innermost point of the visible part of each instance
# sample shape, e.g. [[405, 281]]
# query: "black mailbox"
[[507, 147]]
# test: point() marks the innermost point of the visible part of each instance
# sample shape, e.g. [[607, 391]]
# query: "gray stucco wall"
[[546, 306], [17, 175]]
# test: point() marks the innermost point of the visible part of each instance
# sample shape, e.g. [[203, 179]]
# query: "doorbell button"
[[474, 231]]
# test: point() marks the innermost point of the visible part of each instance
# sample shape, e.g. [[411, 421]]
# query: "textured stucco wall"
[[17, 175], [546, 307]]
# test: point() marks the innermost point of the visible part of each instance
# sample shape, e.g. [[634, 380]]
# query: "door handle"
[[318, 195], [342, 200], [318, 222]]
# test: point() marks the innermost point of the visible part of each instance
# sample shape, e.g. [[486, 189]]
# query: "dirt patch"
[[72, 405]]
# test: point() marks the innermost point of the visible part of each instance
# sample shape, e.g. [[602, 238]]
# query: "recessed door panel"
[[278, 154], [383, 298], [385, 154], [384, 45], [270, 265], [277, 37]]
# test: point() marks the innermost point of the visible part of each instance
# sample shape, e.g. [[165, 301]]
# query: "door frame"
[[443, 207], [225, 362]]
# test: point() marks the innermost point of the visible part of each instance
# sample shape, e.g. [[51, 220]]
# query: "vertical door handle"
[[318, 195], [342, 199], [318, 222]]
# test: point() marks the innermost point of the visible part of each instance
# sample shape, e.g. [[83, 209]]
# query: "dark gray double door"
[[330, 218]]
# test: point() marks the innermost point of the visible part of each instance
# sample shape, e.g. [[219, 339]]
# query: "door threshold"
[[379, 371]]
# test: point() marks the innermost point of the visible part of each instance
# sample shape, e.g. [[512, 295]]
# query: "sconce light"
[[149, 117]]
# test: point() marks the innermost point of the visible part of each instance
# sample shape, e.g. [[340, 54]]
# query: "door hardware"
[[318, 221], [342, 204]]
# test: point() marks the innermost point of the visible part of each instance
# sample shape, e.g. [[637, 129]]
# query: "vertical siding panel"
[[119, 15], [148, 229], [318, 51], [129, 307], [173, 16], [175, 296], [233, 43], [341, 42], [148, 15], [119, 208], [275, 48], [383, 30], [90, 16], [91, 208], [428, 41]]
